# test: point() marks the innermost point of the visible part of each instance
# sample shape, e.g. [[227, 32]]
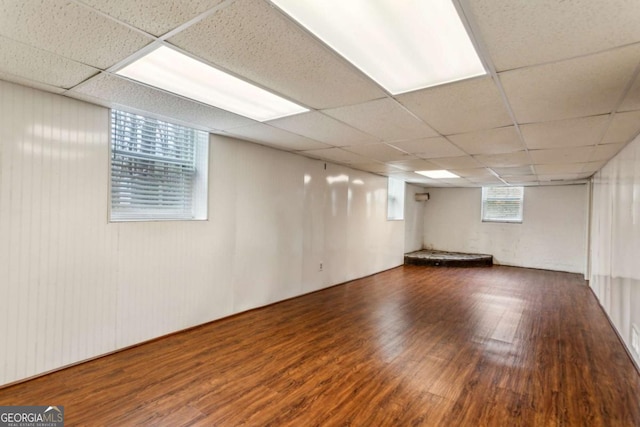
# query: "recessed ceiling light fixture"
[[403, 45], [168, 69], [438, 174]]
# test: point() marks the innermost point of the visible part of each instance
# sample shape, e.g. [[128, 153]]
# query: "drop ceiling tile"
[[522, 179], [29, 83], [278, 138], [384, 118], [459, 107], [254, 40], [585, 86], [513, 171], [27, 62], [632, 99], [593, 166], [156, 17], [606, 152], [380, 152], [110, 90], [559, 177], [561, 155], [375, 167], [486, 180], [473, 173], [70, 30], [430, 148], [336, 155], [623, 127], [460, 162], [316, 125], [489, 141], [559, 169], [518, 33], [519, 158], [565, 133], [414, 165]]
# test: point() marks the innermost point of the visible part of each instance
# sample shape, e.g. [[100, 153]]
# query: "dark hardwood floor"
[[497, 346]]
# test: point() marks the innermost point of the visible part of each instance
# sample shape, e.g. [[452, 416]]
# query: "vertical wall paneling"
[[615, 241], [75, 286], [552, 235]]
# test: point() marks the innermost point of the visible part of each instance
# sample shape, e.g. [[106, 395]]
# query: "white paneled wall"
[[413, 218], [74, 286], [615, 241], [552, 235]]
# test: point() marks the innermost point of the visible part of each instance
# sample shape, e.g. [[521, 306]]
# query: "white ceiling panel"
[[513, 171], [559, 169], [375, 167], [519, 158], [557, 91], [623, 127], [486, 180], [414, 165], [460, 162], [473, 173], [521, 179], [430, 148], [254, 40], [265, 134], [561, 155], [380, 152], [565, 133], [518, 33], [29, 83], [593, 166], [156, 17], [110, 90], [605, 152], [69, 30], [490, 141], [316, 125], [560, 177], [336, 155], [632, 99], [384, 118], [459, 107], [39, 65]]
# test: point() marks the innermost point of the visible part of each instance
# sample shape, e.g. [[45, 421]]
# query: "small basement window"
[[158, 169], [395, 199], [502, 204]]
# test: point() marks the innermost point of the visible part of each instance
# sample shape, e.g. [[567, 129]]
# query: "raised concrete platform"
[[447, 259]]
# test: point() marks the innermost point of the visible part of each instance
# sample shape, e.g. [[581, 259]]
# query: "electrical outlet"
[[320, 268], [635, 340]]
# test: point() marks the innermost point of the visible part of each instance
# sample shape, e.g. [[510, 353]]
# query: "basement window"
[[502, 204], [158, 169], [395, 200]]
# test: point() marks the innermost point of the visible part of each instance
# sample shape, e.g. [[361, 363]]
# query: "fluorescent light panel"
[[170, 70], [438, 174], [403, 45]]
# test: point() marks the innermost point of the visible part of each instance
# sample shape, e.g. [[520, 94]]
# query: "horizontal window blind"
[[153, 167], [502, 204]]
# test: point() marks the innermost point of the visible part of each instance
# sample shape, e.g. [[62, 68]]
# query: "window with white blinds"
[[158, 169], [395, 199], [502, 204]]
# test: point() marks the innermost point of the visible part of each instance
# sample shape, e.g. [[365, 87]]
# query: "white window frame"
[[167, 160], [492, 194], [395, 199]]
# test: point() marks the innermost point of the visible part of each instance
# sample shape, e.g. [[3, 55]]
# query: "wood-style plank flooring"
[[496, 346]]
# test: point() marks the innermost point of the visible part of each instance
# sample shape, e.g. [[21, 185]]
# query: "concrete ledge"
[[448, 259]]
